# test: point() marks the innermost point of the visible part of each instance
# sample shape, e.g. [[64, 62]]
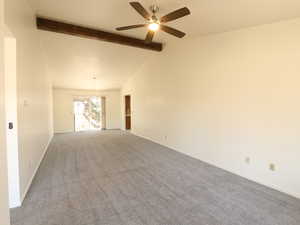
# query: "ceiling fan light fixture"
[[153, 26]]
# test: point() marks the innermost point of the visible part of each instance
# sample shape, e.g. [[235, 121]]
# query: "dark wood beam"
[[85, 32]]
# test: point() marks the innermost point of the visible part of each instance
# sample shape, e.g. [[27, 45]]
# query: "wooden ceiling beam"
[[85, 32]]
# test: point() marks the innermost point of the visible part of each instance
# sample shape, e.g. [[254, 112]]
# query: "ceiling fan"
[[154, 24]]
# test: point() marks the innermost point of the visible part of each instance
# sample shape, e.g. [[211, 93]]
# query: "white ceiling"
[[79, 60], [72, 62]]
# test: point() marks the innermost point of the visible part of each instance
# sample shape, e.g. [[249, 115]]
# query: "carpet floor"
[[115, 178]]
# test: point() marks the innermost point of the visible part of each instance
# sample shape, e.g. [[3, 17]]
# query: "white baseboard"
[[67, 132], [64, 132], [15, 204], [253, 179], [35, 171]]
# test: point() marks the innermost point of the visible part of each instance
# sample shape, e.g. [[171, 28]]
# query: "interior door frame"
[[128, 112], [11, 115]]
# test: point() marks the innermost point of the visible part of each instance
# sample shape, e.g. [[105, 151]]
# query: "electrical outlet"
[[247, 160], [166, 137], [272, 167]]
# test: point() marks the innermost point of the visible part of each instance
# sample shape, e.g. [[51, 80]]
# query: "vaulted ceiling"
[[72, 61]]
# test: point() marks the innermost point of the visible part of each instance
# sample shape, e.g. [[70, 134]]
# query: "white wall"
[[33, 90], [4, 218], [224, 97], [63, 108]]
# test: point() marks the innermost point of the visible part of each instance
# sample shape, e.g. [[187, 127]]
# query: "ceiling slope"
[[72, 61]]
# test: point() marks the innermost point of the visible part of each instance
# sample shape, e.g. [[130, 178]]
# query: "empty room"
[[149, 112]]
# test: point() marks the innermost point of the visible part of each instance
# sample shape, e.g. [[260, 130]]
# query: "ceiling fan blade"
[[149, 36], [175, 15], [140, 9], [172, 31], [131, 27]]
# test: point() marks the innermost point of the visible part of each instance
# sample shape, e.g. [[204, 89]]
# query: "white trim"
[[11, 117], [15, 203], [64, 132], [68, 132], [35, 171]]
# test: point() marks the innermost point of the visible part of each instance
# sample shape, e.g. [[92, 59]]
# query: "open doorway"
[[87, 113], [128, 112]]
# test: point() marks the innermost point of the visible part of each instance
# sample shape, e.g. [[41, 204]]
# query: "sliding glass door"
[[87, 113]]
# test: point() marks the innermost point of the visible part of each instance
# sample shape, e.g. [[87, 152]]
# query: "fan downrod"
[[154, 9]]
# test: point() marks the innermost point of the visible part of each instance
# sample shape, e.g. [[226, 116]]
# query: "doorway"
[[87, 113], [128, 112]]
